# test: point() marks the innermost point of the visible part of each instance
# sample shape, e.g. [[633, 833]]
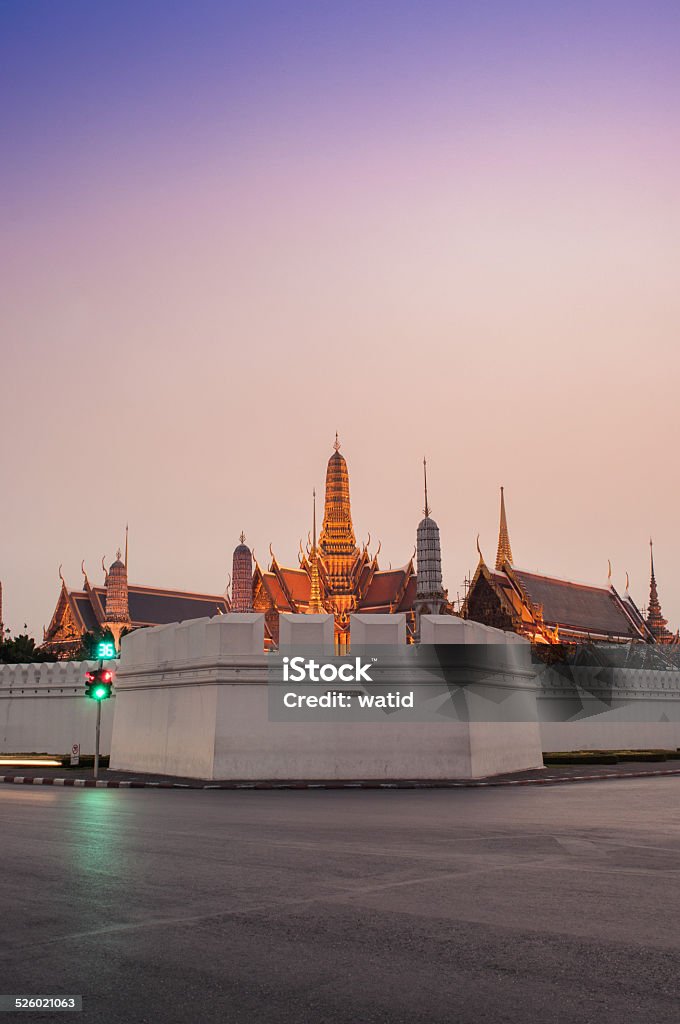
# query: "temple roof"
[[149, 606], [298, 583], [383, 588], [577, 606]]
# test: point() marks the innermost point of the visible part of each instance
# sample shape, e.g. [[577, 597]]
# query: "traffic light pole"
[[97, 731], [99, 683], [96, 741]]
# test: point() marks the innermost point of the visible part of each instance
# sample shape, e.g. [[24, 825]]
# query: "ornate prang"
[[337, 548], [117, 609], [242, 578], [656, 623], [431, 598]]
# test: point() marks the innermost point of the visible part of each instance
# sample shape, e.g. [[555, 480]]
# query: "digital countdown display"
[[106, 649]]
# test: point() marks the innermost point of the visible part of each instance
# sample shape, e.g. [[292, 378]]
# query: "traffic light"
[[98, 683]]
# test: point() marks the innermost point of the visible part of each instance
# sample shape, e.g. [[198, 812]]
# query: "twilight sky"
[[442, 228]]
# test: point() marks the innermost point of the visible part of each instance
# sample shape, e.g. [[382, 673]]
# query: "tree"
[[20, 650], [88, 645]]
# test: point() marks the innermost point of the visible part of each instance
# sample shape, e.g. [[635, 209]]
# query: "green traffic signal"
[[98, 684]]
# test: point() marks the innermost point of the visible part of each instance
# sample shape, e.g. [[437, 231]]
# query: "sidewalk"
[[553, 775]]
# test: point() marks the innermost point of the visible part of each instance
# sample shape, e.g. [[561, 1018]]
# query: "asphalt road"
[[537, 904]]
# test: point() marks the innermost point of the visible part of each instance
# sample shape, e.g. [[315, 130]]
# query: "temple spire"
[[655, 620], [315, 606], [126, 546], [430, 593], [426, 510], [504, 553], [242, 577], [337, 532]]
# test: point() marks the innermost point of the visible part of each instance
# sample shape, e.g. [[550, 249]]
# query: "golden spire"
[[504, 553], [315, 606], [655, 620], [426, 510], [337, 532]]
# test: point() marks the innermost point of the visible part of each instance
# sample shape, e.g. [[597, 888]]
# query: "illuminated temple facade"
[[335, 575], [117, 607], [549, 610]]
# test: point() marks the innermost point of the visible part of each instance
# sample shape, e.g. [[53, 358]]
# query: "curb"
[[30, 780]]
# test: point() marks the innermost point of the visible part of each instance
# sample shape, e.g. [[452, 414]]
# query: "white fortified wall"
[[43, 709], [192, 699]]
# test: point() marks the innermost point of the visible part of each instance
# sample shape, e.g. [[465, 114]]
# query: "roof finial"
[[119, 555], [61, 575], [242, 538], [84, 572], [314, 518], [651, 556], [609, 570], [426, 510], [336, 445], [479, 550], [126, 546], [315, 605], [627, 581], [504, 553]]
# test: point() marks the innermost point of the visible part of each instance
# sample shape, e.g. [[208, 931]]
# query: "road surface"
[[529, 904]]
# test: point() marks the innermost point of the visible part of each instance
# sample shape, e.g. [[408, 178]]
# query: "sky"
[[440, 228]]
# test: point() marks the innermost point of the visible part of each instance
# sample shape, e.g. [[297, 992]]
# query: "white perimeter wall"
[[192, 699], [44, 710]]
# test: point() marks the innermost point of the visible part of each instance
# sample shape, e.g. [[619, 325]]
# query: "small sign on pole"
[[75, 754]]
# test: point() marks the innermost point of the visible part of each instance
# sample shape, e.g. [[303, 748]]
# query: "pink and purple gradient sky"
[[230, 230]]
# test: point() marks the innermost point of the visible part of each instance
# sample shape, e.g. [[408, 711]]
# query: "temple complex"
[[546, 609], [334, 575]]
